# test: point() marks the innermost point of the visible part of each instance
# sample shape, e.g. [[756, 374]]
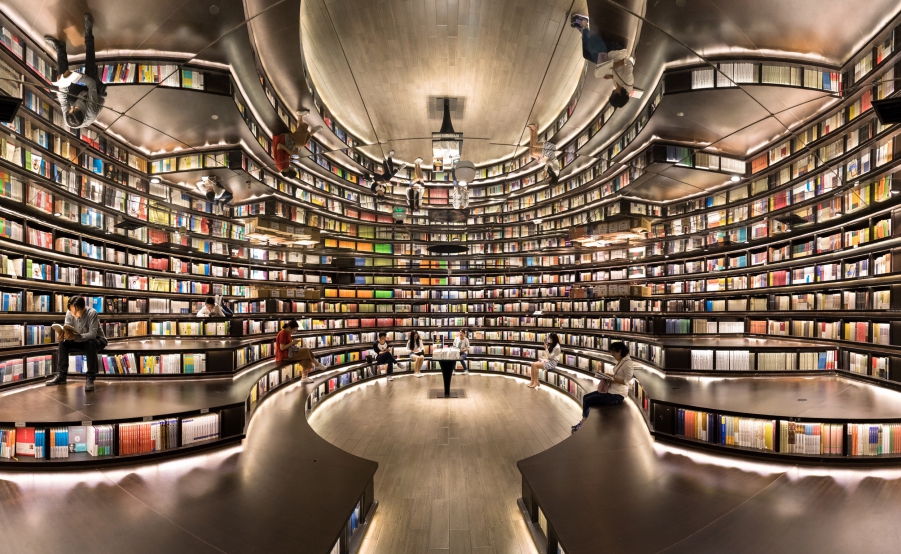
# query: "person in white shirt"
[[461, 343], [610, 391], [80, 103], [553, 352], [544, 152], [417, 352], [211, 308], [612, 59], [414, 193], [618, 68], [214, 191]]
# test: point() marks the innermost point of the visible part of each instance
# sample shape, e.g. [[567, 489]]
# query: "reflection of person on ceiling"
[[288, 145], [414, 193], [544, 152], [80, 102], [460, 193], [214, 191], [379, 181], [612, 59]]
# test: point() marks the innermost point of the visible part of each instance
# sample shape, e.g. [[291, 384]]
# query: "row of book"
[[810, 438], [128, 364], [99, 440]]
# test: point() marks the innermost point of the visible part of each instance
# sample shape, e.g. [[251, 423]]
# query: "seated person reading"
[[81, 333], [211, 308]]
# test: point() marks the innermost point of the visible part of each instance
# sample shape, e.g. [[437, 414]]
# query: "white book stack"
[[776, 361], [732, 327], [702, 359], [170, 363], [199, 429], [159, 306], [857, 363], [702, 78], [813, 79], [12, 335], [882, 333], [159, 190]]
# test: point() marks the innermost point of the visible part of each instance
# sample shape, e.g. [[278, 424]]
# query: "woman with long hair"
[[414, 345], [551, 359]]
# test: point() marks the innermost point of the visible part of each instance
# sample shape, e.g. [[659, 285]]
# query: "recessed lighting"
[[838, 214], [680, 114], [214, 116], [896, 191], [735, 178], [214, 9], [57, 214], [155, 180]]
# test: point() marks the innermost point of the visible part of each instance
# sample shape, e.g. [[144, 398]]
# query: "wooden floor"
[[447, 478]]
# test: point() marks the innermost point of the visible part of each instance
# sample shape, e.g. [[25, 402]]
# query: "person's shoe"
[[315, 129], [307, 380], [390, 378], [57, 380], [576, 20], [54, 42], [417, 161], [419, 375], [300, 114], [576, 428], [390, 153], [465, 372], [89, 385], [88, 24]]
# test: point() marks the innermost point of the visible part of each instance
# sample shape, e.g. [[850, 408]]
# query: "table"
[[447, 358]]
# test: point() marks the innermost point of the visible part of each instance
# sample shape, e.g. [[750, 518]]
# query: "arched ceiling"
[[491, 53], [378, 64]]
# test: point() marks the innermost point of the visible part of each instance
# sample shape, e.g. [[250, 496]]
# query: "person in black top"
[[384, 354], [379, 181]]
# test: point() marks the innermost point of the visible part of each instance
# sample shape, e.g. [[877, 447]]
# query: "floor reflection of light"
[[761, 468], [67, 480], [21, 389]]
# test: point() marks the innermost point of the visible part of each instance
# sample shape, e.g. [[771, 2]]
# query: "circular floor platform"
[[447, 478]]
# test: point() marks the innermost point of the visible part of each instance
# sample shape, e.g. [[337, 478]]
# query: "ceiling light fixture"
[[57, 214], [155, 180], [735, 178], [214, 116]]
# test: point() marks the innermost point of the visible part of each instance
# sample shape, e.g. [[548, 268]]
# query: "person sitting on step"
[[612, 59], [286, 146], [81, 333], [384, 354], [612, 390]]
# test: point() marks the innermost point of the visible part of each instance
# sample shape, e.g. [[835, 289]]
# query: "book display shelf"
[[789, 258]]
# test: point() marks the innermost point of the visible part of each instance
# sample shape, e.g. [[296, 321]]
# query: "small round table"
[[447, 358], [447, 372]]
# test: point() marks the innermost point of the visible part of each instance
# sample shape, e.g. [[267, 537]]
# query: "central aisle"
[[447, 477]]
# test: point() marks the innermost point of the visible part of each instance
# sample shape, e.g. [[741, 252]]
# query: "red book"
[[25, 442]]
